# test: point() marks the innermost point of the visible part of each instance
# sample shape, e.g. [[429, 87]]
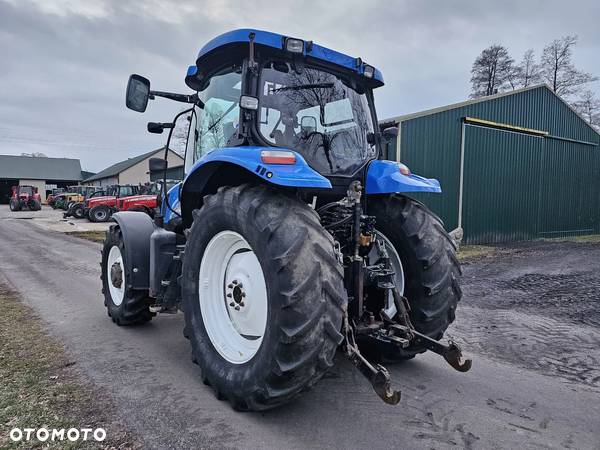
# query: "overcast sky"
[[65, 63]]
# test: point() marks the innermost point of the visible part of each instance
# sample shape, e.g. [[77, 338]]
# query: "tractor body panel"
[[146, 201], [384, 177], [175, 206], [298, 174]]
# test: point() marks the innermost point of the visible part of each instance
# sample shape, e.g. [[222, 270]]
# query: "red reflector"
[[277, 157], [404, 170]]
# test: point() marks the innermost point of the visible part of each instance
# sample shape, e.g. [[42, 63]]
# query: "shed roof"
[[40, 168], [117, 168], [440, 109]]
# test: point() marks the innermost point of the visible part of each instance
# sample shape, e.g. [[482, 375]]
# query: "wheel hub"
[[236, 295], [116, 275]]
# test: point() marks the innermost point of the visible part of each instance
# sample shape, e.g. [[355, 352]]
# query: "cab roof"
[[277, 41]]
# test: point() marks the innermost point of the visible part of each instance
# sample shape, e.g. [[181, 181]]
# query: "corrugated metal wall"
[[516, 186], [501, 183]]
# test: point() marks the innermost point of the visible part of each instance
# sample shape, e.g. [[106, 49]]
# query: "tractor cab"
[[294, 95]]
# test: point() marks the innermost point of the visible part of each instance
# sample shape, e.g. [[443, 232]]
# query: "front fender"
[[173, 195], [384, 177], [299, 175]]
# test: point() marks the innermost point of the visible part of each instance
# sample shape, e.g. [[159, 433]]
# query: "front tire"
[[280, 238], [78, 210], [125, 306], [431, 268], [100, 213]]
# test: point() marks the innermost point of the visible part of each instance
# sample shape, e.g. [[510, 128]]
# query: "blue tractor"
[[290, 236]]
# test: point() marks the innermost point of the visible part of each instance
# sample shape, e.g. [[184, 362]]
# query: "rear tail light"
[[404, 170], [277, 157]]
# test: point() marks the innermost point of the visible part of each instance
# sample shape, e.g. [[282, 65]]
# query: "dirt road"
[[529, 317]]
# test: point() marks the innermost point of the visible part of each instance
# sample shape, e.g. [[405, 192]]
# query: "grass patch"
[[590, 239], [40, 389], [94, 236], [467, 252]]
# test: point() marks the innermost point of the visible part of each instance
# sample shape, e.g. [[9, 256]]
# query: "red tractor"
[[125, 198], [99, 209], [25, 197]]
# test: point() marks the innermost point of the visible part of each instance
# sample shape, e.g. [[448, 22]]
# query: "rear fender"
[[136, 227], [232, 166], [384, 177], [292, 175]]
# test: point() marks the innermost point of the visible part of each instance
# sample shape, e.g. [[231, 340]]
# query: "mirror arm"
[[183, 98]]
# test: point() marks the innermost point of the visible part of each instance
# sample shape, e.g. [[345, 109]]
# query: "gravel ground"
[[536, 305], [52, 220]]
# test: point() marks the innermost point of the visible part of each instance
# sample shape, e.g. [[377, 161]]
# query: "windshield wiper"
[[301, 87]]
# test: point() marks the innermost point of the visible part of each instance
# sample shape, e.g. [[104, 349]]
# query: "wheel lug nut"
[[230, 286], [240, 285], [232, 304], [229, 295], [241, 303], [243, 294], [237, 308], [235, 281]]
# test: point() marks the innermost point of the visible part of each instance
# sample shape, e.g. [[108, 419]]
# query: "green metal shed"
[[513, 166]]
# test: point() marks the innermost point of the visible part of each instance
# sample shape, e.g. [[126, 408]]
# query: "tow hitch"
[[403, 335], [378, 375]]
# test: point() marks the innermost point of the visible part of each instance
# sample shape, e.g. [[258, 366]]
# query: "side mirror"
[[138, 93], [158, 127], [157, 164], [390, 132]]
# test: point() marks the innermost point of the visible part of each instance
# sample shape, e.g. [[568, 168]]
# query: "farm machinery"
[[77, 208], [124, 198], [50, 200], [291, 236], [25, 196], [69, 196]]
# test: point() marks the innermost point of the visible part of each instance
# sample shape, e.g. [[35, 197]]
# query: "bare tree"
[[589, 107], [35, 155], [180, 134], [558, 70], [492, 71], [529, 69]]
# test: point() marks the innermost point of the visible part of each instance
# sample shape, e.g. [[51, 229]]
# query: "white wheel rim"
[[233, 297], [117, 293], [395, 261]]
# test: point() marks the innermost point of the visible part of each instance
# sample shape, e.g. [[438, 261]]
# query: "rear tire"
[[100, 213], [431, 269], [126, 306], [78, 211], [305, 296], [14, 205]]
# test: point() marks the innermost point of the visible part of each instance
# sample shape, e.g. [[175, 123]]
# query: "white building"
[[131, 171]]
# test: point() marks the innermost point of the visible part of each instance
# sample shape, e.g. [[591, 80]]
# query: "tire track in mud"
[[548, 346], [536, 305]]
